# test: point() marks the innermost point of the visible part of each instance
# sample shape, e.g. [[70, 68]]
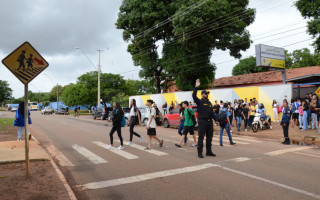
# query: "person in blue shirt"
[[225, 125], [262, 111], [19, 121], [285, 122]]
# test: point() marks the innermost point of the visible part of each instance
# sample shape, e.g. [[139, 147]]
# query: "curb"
[[71, 194]]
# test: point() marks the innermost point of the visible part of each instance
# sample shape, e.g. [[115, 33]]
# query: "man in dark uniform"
[[205, 117]]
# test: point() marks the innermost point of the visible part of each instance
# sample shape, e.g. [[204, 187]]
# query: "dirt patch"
[[10, 133], [43, 183]]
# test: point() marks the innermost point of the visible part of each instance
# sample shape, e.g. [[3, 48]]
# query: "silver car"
[[144, 116]]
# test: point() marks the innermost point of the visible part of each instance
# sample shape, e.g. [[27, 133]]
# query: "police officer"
[[285, 122], [205, 117]]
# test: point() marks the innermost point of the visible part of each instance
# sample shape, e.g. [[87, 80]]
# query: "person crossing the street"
[[135, 118], [188, 125], [205, 124]]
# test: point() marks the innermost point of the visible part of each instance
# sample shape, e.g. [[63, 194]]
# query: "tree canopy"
[[310, 9], [5, 92], [189, 31], [247, 66]]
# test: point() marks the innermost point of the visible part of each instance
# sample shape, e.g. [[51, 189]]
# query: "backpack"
[[136, 109], [194, 121], [123, 121], [293, 107], [300, 111], [222, 118]]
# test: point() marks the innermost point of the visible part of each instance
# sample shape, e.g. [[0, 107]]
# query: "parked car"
[[144, 116], [102, 113], [47, 110], [172, 118], [62, 111], [14, 108]]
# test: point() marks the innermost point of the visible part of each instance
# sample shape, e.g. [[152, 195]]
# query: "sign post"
[[26, 64]]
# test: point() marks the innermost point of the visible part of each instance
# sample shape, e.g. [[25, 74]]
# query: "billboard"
[[268, 56]]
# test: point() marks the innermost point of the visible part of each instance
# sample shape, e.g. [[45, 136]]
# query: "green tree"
[[5, 92], [188, 41], [247, 66], [121, 98], [76, 94], [52, 97], [310, 9], [302, 58]]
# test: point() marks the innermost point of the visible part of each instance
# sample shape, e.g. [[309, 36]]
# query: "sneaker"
[[270, 127], [110, 147], [120, 148], [178, 145], [245, 130], [221, 145], [129, 143], [277, 120], [274, 121], [141, 138], [30, 136], [233, 143], [194, 145]]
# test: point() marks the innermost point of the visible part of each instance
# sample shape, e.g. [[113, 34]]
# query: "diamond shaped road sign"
[[318, 92], [25, 63]]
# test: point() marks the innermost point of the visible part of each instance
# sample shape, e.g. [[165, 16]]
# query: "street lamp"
[[99, 71]]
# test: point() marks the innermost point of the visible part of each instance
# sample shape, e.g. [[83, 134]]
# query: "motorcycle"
[[259, 122]]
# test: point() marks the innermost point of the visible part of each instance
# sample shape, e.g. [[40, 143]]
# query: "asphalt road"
[[253, 169]]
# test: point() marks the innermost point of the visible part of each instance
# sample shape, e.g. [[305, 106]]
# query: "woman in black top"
[[116, 125], [246, 116], [171, 106], [231, 111], [239, 115]]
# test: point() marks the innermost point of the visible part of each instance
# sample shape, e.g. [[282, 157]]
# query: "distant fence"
[[263, 94]]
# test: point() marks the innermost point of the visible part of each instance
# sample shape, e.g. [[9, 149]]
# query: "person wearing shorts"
[[151, 127], [188, 125]]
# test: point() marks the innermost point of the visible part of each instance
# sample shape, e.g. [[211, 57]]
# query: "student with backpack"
[[188, 124], [295, 112], [19, 121], [117, 123], [135, 117], [151, 125], [224, 122], [181, 122]]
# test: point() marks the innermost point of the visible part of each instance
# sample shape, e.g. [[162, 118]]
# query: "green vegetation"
[[6, 123], [192, 30], [5, 92], [247, 66], [310, 10]]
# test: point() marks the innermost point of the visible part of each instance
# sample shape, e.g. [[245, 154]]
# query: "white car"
[[47, 110], [14, 109]]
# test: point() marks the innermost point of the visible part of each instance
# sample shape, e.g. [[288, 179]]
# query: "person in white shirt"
[[275, 111], [151, 127], [134, 119]]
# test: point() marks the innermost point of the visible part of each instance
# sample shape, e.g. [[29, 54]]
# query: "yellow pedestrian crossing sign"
[[318, 92], [25, 63]]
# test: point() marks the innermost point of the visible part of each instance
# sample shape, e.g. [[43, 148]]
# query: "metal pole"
[[57, 97], [26, 129], [284, 77], [99, 70]]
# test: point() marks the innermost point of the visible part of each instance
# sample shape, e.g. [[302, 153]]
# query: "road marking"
[[240, 159], [217, 139], [306, 154], [143, 177], [116, 151], [89, 155], [282, 151], [62, 159], [248, 140], [155, 152], [272, 183]]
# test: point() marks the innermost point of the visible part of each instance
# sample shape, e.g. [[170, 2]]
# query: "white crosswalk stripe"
[[227, 139], [248, 140], [152, 151], [89, 155], [116, 151]]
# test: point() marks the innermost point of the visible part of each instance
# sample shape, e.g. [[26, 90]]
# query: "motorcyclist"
[[262, 112]]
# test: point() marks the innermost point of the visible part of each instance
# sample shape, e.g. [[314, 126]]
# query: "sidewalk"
[[14, 151]]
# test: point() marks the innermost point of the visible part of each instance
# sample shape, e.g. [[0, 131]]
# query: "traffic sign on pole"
[[25, 63]]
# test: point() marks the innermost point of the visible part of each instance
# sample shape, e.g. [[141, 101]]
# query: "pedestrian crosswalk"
[[137, 151]]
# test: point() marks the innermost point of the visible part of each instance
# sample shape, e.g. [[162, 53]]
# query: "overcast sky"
[[56, 27]]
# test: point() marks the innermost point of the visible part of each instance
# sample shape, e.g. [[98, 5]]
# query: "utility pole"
[[99, 70]]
